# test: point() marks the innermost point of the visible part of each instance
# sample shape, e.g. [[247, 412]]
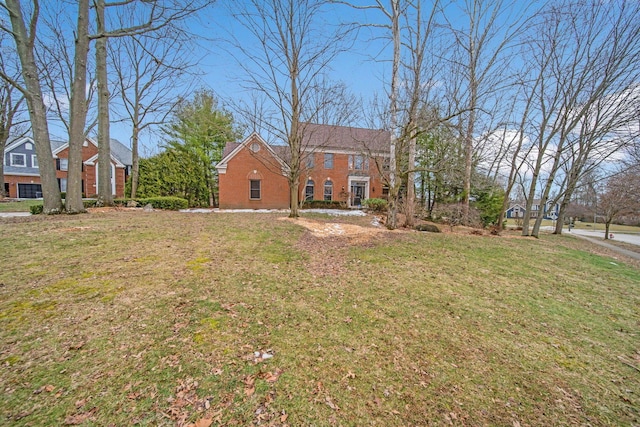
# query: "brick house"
[[339, 163], [22, 175]]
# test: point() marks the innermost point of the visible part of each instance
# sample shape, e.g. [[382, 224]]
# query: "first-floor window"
[[62, 182], [328, 190], [308, 190], [255, 189]]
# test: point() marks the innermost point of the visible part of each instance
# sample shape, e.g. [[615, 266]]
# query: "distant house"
[[339, 163], [22, 173], [517, 210]]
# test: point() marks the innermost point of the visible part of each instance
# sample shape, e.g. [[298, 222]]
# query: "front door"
[[357, 193]]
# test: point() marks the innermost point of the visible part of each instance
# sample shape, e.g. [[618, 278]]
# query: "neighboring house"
[[517, 210], [22, 174], [339, 163]]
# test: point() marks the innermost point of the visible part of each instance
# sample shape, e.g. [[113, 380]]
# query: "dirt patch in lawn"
[[327, 243], [356, 234]]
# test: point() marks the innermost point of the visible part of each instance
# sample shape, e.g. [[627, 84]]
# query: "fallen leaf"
[[77, 346], [204, 422], [273, 377], [76, 419], [332, 405], [249, 385], [49, 388], [284, 417]]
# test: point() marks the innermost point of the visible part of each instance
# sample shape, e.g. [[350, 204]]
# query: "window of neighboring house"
[[18, 159], [63, 164], [310, 163], [62, 183], [358, 162], [328, 161], [34, 161], [328, 190], [308, 190], [28, 146], [385, 191], [254, 193], [386, 164]]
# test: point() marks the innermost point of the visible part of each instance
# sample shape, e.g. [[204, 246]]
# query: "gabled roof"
[[233, 148], [120, 153]]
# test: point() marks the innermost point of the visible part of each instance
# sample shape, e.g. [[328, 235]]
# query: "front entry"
[[358, 193]]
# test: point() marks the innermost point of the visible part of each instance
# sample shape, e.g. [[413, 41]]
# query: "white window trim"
[[259, 189], [34, 161], [14, 155]]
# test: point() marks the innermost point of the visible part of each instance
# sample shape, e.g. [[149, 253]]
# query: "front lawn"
[[13, 205], [129, 317]]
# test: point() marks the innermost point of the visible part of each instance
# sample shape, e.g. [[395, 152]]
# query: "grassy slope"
[[113, 318]]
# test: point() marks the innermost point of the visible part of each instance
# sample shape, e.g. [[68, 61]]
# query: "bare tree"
[[11, 109], [621, 196], [24, 36], [149, 74], [293, 50], [604, 131], [152, 17], [586, 53], [479, 68]]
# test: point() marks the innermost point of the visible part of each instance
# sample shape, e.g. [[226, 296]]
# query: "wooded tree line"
[[485, 99]]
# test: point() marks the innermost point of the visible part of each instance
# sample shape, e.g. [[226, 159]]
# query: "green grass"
[[153, 319], [18, 206], [614, 227]]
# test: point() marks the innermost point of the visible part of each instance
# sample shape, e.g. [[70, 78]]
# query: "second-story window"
[[358, 162], [62, 164], [310, 161], [18, 159], [328, 161]]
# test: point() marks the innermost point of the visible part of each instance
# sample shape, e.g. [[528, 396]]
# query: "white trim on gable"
[[93, 160], [221, 167], [18, 142]]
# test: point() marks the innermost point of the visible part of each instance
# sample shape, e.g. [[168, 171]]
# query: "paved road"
[[634, 239]]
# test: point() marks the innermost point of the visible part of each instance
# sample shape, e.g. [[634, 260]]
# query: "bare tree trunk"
[[8, 110], [135, 167], [52, 203], [411, 184], [78, 112], [105, 190], [394, 185]]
